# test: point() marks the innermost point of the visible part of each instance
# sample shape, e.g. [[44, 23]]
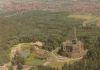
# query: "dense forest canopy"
[[52, 28], [33, 26]]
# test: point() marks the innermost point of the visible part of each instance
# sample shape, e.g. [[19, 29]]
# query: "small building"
[[72, 49]]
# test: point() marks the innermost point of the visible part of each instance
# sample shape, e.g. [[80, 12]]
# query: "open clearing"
[[87, 18], [53, 59]]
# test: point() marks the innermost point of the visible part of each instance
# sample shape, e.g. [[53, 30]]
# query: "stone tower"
[[72, 48]]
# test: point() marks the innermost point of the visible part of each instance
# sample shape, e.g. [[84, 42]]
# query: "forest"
[[52, 28]]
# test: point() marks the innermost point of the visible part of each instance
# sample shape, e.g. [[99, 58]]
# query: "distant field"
[[87, 18]]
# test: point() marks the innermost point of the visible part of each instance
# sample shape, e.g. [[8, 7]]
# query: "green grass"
[[56, 64], [56, 51], [32, 57], [32, 60]]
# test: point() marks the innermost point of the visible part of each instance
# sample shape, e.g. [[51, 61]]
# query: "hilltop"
[[32, 54]]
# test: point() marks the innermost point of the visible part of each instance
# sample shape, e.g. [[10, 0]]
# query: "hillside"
[[23, 23], [52, 28], [32, 27]]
